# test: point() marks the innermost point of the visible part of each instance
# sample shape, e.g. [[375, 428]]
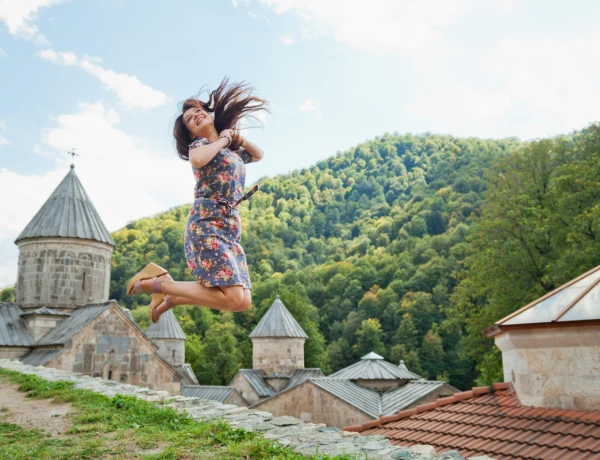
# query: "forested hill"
[[364, 247]]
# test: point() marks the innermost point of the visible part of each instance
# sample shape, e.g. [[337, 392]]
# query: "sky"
[[104, 77]]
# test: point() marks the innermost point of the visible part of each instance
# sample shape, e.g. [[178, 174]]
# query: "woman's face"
[[198, 122]]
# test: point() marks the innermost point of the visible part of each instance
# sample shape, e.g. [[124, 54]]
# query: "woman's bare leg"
[[179, 300], [228, 298]]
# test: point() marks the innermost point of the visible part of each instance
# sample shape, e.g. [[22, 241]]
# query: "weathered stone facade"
[[244, 388], [39, 325], [13, 352], [553, 366], [114, 349], [62, 273], [274, 354], [171, 350], [312, 404]]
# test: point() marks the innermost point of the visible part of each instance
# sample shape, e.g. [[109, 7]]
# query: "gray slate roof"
[[68, 212], [374, 367], [188, 373], [255, 378], [371, 402], [299, 376], [45, 311], [41, 356], [80, 318], [167, 328], [363, 399], [13, 332], [397, 400], [211, 393], [278, 322]]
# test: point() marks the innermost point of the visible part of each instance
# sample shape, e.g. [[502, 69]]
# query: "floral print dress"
[[212, 236]]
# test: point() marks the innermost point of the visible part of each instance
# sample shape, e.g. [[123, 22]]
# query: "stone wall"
[[171, 350], [310, 403], [112, 348], [281, 355], [240, 383], [62, 273], [235, 398], [39, 325], [304, 438], [13, 352], [553, 367]]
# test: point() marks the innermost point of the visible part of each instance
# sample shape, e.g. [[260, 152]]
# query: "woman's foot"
[[160, 309], [148, 272], [150, 284]]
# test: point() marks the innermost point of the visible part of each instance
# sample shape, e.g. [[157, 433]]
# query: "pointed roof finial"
[[73, 155]]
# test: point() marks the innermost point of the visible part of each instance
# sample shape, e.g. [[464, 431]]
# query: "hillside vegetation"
[[408, 246], [364, 247]]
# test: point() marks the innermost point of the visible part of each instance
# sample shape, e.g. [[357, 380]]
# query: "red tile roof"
[[491, 421]]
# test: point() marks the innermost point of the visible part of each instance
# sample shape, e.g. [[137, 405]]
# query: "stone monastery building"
[[279, 383], [62, 317]]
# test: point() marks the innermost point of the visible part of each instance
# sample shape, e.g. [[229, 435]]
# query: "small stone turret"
[[64, 253], [278, 342], [169, 337]]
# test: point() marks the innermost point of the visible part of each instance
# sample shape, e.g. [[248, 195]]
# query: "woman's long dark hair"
[[229, 103]]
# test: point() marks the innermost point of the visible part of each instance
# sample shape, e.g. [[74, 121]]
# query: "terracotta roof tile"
[[491, 421]]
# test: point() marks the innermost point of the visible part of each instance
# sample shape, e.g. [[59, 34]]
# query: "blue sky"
[[104, 77]]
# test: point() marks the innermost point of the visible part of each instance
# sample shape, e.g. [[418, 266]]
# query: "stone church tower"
[[278, 341], [64, 256]]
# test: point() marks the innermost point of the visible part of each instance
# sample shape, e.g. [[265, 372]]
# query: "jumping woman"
[[206, 135]]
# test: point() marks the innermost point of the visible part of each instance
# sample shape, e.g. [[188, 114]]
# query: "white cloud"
[[550, 85], [379, 26], [125, 178], [287, 40], [3, 53], [129, 89], [19, 16], [308, 106]]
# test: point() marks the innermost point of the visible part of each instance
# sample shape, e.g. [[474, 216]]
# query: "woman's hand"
[[227, 133]]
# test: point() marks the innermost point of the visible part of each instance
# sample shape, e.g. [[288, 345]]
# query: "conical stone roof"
[[167, 327], [373, 367], [278, 322], [68, 213]]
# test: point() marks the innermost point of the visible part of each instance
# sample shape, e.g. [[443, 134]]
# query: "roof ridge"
[[457, 397]]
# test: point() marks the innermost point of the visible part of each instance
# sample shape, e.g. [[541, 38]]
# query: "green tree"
[[8, 294], [369, 338], [222, 357], [431, 355]]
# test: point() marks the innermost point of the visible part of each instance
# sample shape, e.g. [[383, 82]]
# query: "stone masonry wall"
[[277, 355], [111, 348], [39, 325], [304, 438], [172, 351], [62, 273], [13, 352], [245, 389], [553, 367], [310, 403]]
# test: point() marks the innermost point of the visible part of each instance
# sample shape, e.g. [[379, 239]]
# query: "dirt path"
[[33, 413]]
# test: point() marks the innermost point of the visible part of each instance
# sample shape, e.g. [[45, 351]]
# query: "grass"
[[126, 427]]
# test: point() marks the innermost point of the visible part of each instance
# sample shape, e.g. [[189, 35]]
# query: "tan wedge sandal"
[[149, 271], [167, 299]]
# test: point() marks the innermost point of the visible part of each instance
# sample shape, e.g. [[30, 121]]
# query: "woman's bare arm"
[[256, 153], [201, 155]]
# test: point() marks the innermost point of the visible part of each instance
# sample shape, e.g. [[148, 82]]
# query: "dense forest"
[[408, 246], [365, 249]]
